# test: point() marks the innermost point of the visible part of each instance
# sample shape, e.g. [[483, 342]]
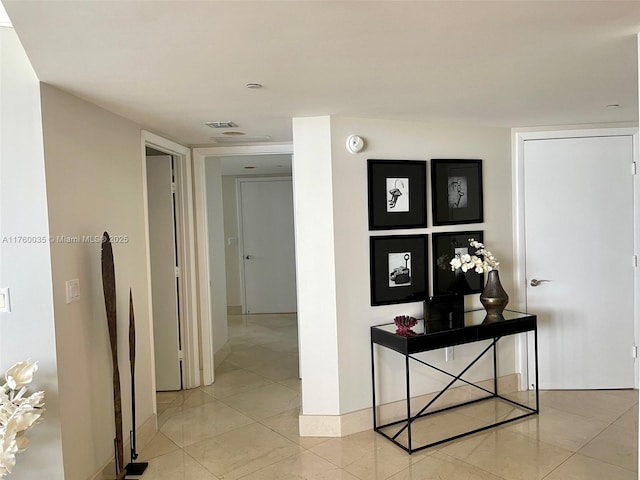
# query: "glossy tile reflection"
[[245, 426]]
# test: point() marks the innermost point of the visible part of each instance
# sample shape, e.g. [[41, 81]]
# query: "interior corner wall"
[[339, 281], [27, 332], [94, 177], [315, 266], [217, 269], [408, 141]]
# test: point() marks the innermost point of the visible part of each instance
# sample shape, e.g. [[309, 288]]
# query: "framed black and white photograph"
[[456, 191], [397, 194], [398, 269], [446, 246]]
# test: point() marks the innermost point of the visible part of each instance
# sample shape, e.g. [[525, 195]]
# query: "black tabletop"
[[440, 332]]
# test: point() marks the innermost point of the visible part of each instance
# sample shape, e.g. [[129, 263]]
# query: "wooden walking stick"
[[109, 289], [135, 469]]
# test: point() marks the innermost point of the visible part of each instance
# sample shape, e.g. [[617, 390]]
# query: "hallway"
[[245, 426]]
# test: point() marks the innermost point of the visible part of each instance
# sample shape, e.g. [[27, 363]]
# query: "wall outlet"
[[448, 354], [5, 301]]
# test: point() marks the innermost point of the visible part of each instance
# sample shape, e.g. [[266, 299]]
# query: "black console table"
[[436, 334]]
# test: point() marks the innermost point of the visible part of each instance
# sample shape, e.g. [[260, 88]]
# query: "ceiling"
[[256, 165], [173, 65]]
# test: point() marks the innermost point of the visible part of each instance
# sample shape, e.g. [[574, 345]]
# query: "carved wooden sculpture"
[[109, 289], [132, 363], [135, 469]]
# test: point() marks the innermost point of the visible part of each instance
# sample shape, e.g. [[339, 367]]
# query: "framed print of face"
[[456, 191]]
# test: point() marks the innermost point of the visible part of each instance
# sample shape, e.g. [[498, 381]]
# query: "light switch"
[[73, 290], [5, 302]]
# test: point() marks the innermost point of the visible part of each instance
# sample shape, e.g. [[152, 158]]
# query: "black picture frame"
[[398, 268], [456, 191], [397, 194], [444, 247]]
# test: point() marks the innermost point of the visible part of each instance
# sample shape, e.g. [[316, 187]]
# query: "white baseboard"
[[362, 420], [144, 435]]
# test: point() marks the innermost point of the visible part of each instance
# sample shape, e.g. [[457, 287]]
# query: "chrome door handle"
[[535, 283], [249, 257]]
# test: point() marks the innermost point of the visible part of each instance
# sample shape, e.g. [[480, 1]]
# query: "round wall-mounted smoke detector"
[[355, 143]]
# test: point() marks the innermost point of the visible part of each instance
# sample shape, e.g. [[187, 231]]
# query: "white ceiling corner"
[[171, 66]]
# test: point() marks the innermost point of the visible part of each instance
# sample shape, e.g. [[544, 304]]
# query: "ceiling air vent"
[[220, 124]]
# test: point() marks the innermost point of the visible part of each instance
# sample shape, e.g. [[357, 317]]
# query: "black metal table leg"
[[373, 388], [535, 343], [495, 368], [409, 419]]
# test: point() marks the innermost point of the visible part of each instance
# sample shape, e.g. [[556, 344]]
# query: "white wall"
[[230, 204], [330, 187], [94, 175], [28, 331], [217, 270], [318, 318], [637, 245]]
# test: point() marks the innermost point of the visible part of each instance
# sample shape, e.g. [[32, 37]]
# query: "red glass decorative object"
[[404, 324]]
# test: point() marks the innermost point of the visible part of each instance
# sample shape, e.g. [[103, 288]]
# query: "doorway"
[[165, 277], [575, 196], [182, 341], [265, 211], [217, 299]]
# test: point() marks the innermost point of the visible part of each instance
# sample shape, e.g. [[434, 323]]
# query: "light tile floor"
[[245, 426]]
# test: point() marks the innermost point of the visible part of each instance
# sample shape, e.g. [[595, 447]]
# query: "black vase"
[[459, 284], [494, 298]]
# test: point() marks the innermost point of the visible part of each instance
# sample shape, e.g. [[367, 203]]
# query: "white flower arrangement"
[[482, 261], [18, 412]]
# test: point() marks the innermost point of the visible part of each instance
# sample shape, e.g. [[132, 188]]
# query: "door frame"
[[519, 136], [203, 242], [243, 289], [186, 255]]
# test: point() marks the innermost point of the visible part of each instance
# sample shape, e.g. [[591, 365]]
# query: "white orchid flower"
[[20, 374], [8, 457], [8, 450], [36, 400], [18, 412], [25, 419], [482, 261], [22, 442]]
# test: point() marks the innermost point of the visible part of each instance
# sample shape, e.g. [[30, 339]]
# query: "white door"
[[164, 291], [578, 195], [266, 211]]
